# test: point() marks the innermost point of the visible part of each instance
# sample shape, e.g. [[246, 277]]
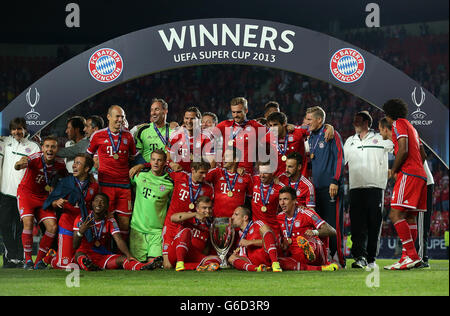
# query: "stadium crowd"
[[184, 87]]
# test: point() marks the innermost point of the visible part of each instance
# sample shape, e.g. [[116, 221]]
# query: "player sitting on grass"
[[257, 248], [190, 246], [93, 255], [302, 229]]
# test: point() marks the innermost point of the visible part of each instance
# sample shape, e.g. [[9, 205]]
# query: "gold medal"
[[191, 206], [230, 143], [284, 158], [48, 188], [97, 243], [230, 193], [289, 241], [312, 156], [264, 209], [116, 156]]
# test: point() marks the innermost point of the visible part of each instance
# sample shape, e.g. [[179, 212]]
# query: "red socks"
[[404, 233], [27, 242], [184, 243], [44, 245], [243, 265], [270, 246]]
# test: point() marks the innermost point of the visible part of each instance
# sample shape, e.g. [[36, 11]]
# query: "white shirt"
[[430, 179], [367, 160], [13, 151], [69, 162]]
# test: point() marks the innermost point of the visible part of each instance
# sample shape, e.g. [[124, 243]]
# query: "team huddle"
[[145, 198]]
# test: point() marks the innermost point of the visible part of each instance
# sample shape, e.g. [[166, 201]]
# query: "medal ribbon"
[[191, 197], [296, 183], [245, 232], [82, 186], [289, 229], [114, 147], [265, 200], [283, 152], [233, 134], [188, 142], [164, 140], [99, 233], [313, 149], [230, 186], [44, 167]]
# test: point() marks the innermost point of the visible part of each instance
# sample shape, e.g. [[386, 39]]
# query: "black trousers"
[[332, 212], [11, 227], [366, 207], [423, 225]]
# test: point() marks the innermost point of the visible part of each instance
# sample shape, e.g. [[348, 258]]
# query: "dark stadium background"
[[413, 37]]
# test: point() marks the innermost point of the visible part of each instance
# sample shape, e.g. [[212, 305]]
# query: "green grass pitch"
[[434, 281]]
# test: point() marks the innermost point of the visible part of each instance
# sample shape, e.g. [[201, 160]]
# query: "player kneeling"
[[302, 229], [257, 247], [92, 235], [190, 246]]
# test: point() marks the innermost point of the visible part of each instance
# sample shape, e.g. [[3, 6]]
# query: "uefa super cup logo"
[[32, 115], [418, 114]]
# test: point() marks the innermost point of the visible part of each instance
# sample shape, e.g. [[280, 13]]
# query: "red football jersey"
[[306, 195], [200, 233], [413, 164], [103, 232], [224, 205], [252, 234], [269, 217], [181, 200], [33, 181], [247, 137], [183, 147], [295, 143], [112, 170], [305, 219]]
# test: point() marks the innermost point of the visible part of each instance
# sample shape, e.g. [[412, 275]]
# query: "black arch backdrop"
[[229, 41]]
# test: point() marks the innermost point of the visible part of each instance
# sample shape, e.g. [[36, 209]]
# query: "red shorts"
[[119, 200], [257, 257], [319, 251], [101, 260], [194, 256], [410, 193], [30, 205]]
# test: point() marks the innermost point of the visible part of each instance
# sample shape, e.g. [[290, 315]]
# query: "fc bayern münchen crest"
[[347, 65], [105, 65]]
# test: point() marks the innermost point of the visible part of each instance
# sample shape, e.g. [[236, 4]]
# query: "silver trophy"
[[222, 237]]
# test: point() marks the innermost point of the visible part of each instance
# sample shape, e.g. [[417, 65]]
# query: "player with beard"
[[265, 198], [42, 171], [257, 249], [246, 135], [302, 231], [293, 178], [189, 143]]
